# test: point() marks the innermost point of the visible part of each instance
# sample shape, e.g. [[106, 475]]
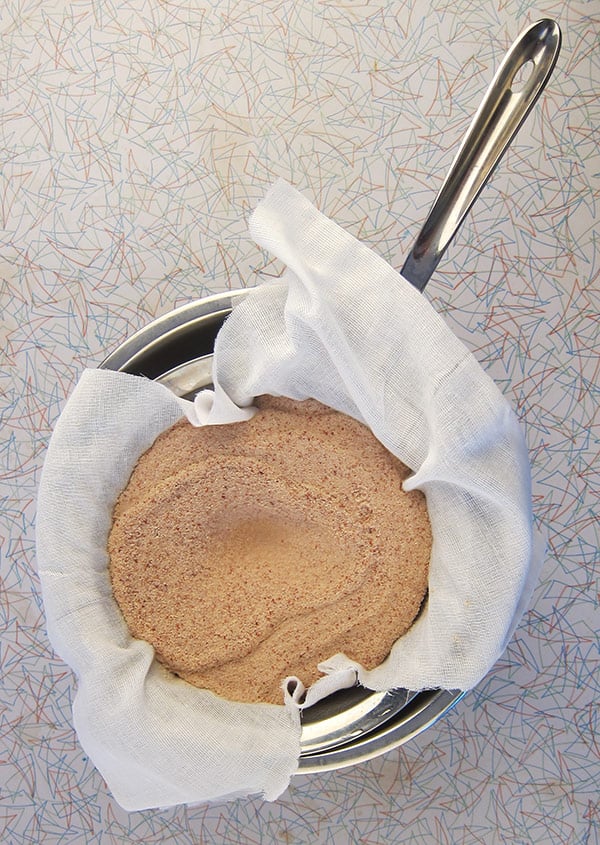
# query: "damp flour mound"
[[248, 552]]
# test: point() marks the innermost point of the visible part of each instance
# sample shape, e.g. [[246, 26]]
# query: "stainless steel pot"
[[357, 724]]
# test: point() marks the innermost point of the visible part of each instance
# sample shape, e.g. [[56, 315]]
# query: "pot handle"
[[507, 102]]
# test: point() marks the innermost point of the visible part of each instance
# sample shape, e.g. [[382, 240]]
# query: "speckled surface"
[[136, 138]]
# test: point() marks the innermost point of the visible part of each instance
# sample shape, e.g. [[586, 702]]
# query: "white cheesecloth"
[[343, 327]]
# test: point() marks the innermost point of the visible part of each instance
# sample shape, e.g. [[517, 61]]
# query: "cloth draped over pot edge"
[[133, 717], [343, 327]]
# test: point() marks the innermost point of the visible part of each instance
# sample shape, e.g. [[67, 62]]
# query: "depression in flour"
[[343, 328]]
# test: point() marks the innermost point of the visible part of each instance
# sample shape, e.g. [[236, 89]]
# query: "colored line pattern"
[[135, 139]]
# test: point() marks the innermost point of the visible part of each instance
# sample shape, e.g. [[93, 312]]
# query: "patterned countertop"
[[135, 139]]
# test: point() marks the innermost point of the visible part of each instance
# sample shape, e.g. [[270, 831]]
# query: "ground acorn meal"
[[249, 552]]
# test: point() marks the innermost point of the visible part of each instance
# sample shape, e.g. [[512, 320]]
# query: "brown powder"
[[248, 552]]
